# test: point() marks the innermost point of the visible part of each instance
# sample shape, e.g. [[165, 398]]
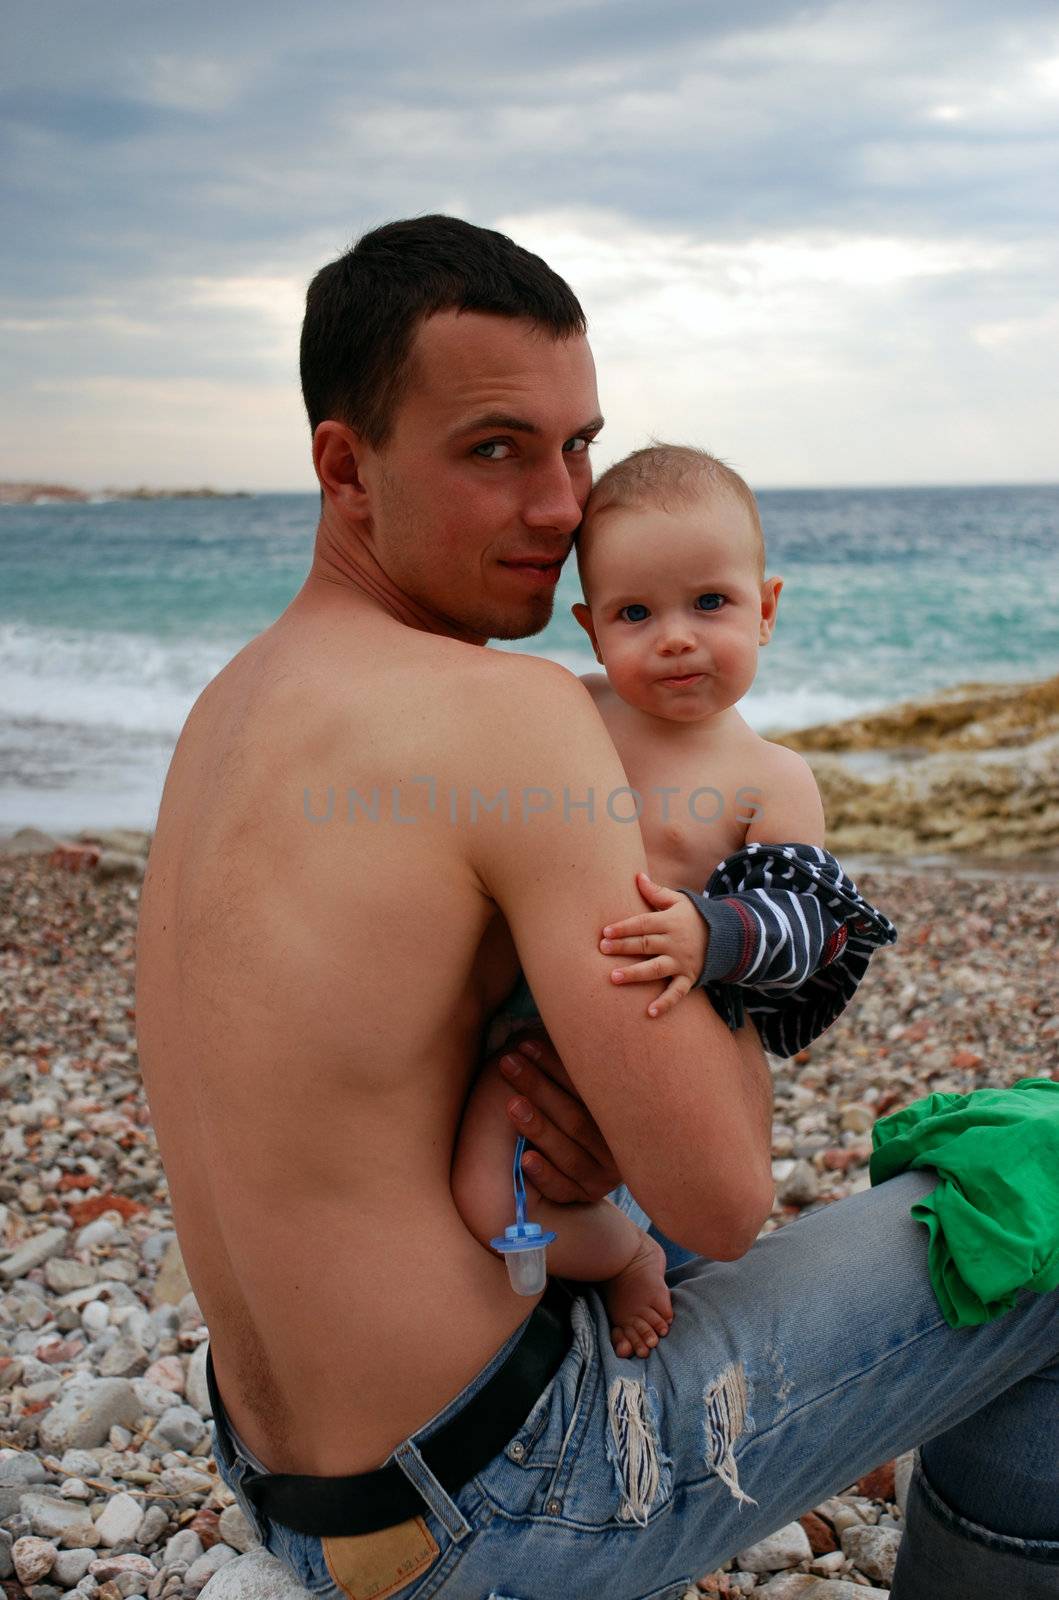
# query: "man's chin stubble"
[[507, 625]]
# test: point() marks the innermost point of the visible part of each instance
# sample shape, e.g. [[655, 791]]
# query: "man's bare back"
[[314, 1123], [311, 995]]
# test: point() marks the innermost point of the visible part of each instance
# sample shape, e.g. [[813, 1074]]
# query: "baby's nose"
[[675, 641]]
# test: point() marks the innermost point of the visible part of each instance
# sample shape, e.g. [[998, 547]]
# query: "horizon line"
[[762, 488]]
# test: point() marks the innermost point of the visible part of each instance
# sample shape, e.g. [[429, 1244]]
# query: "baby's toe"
[[622, 1347], [643, 1335]]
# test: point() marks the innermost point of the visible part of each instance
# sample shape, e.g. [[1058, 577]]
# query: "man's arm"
[[685, 1112]]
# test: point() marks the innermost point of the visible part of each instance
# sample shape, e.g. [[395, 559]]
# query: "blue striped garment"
[[790, 939]]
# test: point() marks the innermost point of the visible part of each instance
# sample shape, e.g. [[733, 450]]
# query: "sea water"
[[113, 617]]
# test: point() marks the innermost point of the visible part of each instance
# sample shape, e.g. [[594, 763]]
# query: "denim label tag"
[[370, 1566]]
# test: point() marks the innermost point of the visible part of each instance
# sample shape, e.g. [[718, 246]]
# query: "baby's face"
[[678, 606]]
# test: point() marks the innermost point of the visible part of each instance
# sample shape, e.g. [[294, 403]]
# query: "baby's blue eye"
[[714, 601], [636, 606]]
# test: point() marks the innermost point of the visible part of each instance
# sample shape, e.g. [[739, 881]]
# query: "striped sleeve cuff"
[[726, 952]]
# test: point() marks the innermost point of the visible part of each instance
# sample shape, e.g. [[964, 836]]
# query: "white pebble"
[[120, 1519], [94, 1317], [784, 1548]]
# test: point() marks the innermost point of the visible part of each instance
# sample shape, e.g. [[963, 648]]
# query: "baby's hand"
[[673, 936]]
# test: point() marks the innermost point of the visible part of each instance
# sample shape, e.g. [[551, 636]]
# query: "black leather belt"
[[366, 1501]]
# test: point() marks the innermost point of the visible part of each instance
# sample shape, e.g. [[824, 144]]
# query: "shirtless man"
[[318, 841]]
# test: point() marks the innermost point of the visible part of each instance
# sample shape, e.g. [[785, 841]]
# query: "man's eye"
[[577, 446], [492, 446], [710, 602], [635, 606]]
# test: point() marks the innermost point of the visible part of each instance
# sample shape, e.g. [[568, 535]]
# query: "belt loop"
[[424, 1482]]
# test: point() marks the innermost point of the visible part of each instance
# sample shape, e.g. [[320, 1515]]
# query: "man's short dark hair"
[[362, 311]]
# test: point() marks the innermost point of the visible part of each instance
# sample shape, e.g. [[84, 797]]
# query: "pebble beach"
[[107, 1485]]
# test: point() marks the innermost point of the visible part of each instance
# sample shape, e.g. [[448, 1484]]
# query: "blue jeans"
[[787, 1374]]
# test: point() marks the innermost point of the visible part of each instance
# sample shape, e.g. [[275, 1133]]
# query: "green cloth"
[[993, 1215]]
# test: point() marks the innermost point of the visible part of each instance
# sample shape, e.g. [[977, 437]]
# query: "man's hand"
[[571, 1160], [674, 938]]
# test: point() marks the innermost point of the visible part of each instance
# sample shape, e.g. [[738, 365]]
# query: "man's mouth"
[[536, 570]]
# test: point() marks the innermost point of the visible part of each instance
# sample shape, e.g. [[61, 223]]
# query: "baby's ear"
[[770, 599], [584, 617]]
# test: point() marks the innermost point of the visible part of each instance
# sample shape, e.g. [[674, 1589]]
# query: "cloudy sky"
[[819, 239]]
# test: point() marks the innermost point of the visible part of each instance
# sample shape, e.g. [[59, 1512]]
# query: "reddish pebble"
[[76, 1180], [74, 857], [966, 1060], [62, 1350], [204, 1523], [168, 1373], [81, 1212], [879, 1483], [112, 1566], [820, 1534]]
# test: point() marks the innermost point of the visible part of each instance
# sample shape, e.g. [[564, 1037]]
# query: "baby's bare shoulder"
[[597, 684], [792, 811], [782, 761]]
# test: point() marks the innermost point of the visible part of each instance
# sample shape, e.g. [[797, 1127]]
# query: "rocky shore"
[[107, 1486], [973, 771]]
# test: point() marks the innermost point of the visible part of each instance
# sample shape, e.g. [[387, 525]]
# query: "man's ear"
[[770, 599], [584, 617], [338, 453]]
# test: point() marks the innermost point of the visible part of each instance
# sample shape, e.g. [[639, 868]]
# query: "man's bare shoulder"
[[525, 687], [519, 664]]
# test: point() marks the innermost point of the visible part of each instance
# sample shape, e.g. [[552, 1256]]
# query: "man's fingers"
[[550, 1183], [571, 1152], [557, 1106], [577, 1159], [539, 1048], [587, 1168]]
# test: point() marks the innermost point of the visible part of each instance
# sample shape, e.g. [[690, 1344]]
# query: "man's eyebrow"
[[504, 421]]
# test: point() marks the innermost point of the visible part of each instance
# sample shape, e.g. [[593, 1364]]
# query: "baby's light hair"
[[667, 476]]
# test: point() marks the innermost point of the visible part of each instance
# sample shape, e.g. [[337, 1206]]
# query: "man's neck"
[[344, 559]]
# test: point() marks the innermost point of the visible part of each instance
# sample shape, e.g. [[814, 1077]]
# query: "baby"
[[672, 564]]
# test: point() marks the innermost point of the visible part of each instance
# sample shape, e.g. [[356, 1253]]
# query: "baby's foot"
[[638, 1301]]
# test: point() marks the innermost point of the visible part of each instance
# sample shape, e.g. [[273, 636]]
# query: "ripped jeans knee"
[[644, 1472], [726, 1415]]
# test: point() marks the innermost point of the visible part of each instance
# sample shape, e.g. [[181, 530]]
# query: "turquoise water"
[[114, 615]]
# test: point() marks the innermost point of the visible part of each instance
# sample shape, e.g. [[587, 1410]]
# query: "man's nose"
[[553, 500]]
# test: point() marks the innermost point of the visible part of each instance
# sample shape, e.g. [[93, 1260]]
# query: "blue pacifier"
[[524, 1244]]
